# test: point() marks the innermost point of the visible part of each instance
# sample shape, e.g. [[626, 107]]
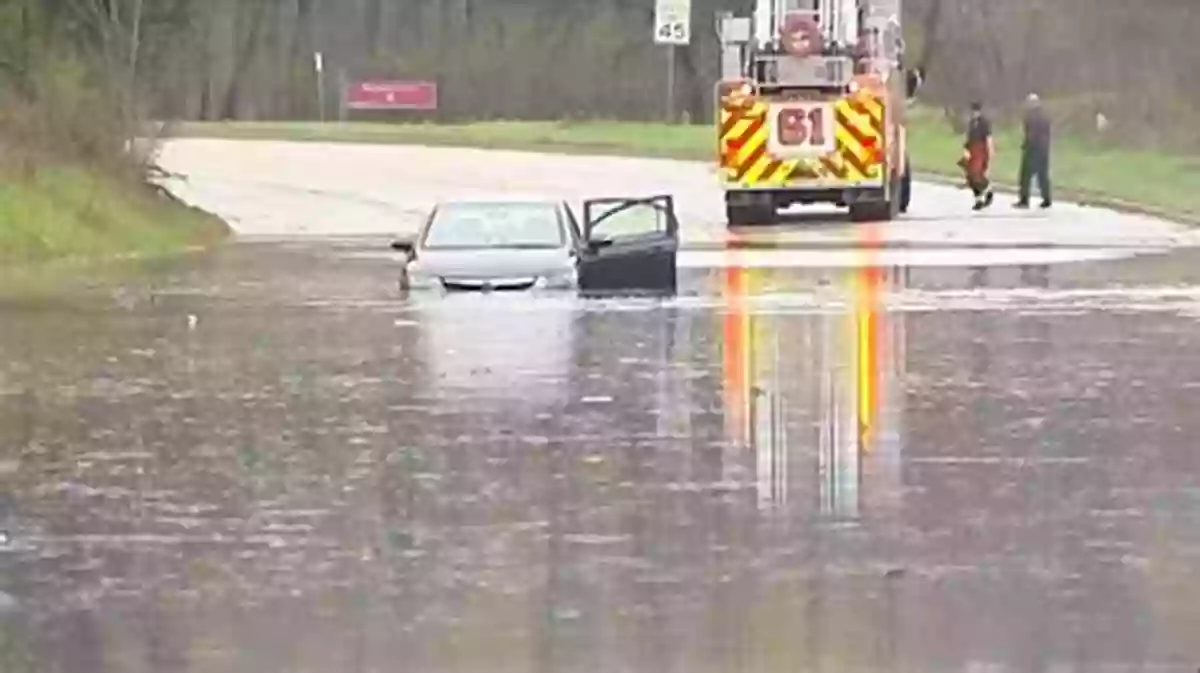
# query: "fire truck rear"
[[810, 109]]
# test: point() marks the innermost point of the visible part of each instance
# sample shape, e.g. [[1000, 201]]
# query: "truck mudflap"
[[832, 143]]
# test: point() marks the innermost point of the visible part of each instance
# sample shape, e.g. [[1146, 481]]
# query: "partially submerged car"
[[525, 243]]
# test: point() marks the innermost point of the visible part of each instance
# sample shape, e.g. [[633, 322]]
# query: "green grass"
[[63, 212], [1141, 181], [65, 216]]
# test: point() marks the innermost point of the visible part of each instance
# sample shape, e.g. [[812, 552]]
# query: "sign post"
[[319, 67], [342, 87], [671, 84], [672, 28]]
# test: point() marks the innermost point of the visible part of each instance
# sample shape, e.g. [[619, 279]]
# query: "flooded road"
[[263, 460]]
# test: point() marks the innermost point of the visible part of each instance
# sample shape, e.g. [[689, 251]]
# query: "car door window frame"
[[664, 203], [578, 240]]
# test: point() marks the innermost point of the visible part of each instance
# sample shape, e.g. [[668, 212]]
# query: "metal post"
[[319, 66], [321, 97], [671, 83], [342, 81]]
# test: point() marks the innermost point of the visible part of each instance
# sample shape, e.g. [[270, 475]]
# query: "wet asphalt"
[[977, 456], [265, 459]]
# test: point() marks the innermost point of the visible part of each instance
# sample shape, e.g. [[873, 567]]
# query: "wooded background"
[[1134, 62]]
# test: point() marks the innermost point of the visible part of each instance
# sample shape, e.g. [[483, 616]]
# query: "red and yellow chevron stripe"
[[744, 133]]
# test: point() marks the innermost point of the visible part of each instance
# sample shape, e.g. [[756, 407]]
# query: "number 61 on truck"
[[811, 109]]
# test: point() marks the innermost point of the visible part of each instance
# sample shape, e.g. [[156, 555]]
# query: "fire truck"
[[811, 109]]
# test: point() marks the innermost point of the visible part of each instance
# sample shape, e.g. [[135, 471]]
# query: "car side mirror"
[[598, 244]]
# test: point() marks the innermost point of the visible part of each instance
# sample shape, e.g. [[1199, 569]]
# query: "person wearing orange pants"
[[978, 151]]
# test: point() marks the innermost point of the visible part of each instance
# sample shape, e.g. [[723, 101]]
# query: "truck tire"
[[880, 211], [894, 205], [865, 212], [906, 188], [742, 215], [875, 211], [738, 216]]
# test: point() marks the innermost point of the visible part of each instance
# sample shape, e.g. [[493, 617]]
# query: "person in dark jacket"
[[978, 151], [1035, 153]]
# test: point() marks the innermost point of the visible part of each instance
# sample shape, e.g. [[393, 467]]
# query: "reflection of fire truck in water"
[[842, 372]]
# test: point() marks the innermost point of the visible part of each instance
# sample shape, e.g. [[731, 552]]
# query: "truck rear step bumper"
[[783, 197]]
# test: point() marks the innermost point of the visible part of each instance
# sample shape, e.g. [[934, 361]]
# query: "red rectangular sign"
[[392, 95]]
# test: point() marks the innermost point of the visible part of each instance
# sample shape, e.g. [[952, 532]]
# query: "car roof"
[[510, 198], [507, 197]]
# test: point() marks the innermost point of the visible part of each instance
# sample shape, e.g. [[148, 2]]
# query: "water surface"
[[264, 461]]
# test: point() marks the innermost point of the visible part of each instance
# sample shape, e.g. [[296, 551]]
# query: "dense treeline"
[[70, 73], [253, 59], [1131, 62]]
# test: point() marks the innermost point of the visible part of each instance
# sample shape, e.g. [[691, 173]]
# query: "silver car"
[[526, 243]]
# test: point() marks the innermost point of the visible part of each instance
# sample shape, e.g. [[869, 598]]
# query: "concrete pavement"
[[271, 188]]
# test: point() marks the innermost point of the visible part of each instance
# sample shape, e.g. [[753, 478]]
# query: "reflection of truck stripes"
[[736, 355], [867, 320], [754, 405], [836, 371]]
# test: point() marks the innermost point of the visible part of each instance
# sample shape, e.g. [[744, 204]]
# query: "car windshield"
[[495, 225]]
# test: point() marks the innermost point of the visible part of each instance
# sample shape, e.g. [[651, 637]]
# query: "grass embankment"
[[1135, 180], [71, 214]]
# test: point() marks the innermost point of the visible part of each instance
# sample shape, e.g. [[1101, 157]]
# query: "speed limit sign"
[[673, 22]]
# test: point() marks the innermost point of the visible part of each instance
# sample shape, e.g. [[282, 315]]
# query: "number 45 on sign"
[[672, 22], [672, 32]]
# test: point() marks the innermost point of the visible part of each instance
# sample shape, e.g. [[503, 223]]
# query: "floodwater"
[[263, 461]]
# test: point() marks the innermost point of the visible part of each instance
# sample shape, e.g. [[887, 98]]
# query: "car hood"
[[500, 264]]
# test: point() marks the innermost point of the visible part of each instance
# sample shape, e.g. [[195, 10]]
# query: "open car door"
[[630, 245]]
